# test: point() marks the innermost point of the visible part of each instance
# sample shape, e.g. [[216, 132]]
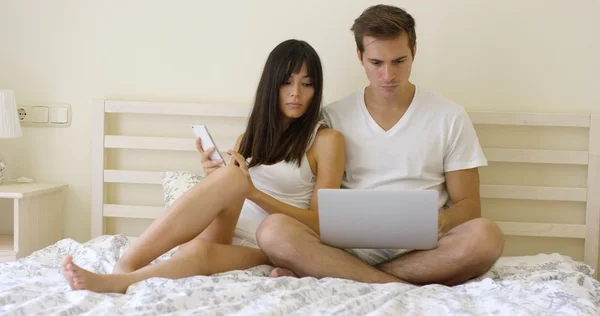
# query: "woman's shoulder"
[[327, 136], [329, 146]]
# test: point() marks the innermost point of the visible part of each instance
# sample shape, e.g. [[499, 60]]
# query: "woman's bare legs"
[[210, 209], [199, 257]]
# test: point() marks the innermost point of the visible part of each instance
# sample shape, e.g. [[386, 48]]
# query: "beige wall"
[[511, 55]]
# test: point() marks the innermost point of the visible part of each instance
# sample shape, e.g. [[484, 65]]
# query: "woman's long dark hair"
[[264, 140]]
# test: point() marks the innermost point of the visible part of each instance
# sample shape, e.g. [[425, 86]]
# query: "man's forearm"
[[459, 213]]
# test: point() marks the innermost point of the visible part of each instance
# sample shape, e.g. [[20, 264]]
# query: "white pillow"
[[175, 183]]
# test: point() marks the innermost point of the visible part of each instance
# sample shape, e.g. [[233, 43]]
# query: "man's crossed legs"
[[466, 251]]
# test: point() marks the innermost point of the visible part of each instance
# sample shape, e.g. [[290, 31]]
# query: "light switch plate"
[[45, 115], [58, 115], [39, 114]]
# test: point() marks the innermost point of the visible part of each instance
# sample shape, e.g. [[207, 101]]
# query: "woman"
[[290, 157]]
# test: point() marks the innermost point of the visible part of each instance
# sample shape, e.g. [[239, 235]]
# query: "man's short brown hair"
[[384, 22]]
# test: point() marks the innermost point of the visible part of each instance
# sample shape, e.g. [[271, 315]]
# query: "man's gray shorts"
[[376, 256]]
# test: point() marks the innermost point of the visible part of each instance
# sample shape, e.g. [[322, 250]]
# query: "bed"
[[543, 192]]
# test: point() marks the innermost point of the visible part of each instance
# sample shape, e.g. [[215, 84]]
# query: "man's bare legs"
[[292, 245], [211, 208], [199, 257], [467, 251]]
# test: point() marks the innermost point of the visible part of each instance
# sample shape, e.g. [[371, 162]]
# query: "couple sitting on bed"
[[267, 194]]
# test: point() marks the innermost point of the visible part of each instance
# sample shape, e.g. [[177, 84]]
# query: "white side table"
[[37, 218]]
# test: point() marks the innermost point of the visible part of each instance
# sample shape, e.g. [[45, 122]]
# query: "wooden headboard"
[[158, 138]]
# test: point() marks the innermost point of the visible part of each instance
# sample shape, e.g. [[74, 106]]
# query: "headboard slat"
[[509, 228], [160, 143], [492, 154], [168, 108], [128, 176], [537, 156], [543, 229], [132, 211], [531, 119], [533, 193], [592, 217], [98, 164]]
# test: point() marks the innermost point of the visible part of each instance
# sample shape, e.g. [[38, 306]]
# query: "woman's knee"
[[233, 177], [274, 228], [230, 172]]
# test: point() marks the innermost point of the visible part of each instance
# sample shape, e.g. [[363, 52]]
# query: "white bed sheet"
[[534, 285]]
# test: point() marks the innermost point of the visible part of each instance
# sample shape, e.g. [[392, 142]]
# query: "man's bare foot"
[[82, 279], [281, 272]]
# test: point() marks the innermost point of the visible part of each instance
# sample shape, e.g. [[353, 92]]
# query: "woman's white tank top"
[[284, 181]]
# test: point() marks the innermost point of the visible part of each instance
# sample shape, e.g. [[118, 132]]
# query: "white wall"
[[534, 55]]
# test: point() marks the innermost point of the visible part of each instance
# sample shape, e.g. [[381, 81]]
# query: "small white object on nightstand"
[[37, 218]]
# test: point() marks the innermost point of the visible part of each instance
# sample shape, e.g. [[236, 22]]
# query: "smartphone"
[[207, 142]]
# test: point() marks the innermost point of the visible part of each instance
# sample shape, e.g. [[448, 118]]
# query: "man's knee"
[[484, 243]]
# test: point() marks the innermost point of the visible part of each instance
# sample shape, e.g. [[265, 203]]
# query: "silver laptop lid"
[[389, 219]]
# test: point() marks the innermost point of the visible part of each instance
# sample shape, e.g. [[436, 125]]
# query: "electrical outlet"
[[25, 114], [45, 115]]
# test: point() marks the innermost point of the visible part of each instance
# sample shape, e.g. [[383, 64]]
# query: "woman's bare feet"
[[281, 272], [121, 268], [82, 279]]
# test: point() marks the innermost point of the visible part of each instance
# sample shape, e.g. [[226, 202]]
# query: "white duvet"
[[535, 285]]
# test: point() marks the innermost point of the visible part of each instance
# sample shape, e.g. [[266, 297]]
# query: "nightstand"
[[37, 216]]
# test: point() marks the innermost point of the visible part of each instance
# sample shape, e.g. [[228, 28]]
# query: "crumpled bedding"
[[545, 284]]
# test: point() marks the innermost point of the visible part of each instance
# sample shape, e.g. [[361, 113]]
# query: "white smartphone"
[[207, 142]]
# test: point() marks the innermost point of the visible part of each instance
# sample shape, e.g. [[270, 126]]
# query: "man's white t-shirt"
[[434, 136]]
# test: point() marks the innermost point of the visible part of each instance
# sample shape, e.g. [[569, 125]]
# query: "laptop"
[[378, 219]]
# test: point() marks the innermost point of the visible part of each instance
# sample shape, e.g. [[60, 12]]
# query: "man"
[[397, 136]]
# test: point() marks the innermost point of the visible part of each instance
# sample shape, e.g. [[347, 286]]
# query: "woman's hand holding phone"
[[208, 165], [211, 157]]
